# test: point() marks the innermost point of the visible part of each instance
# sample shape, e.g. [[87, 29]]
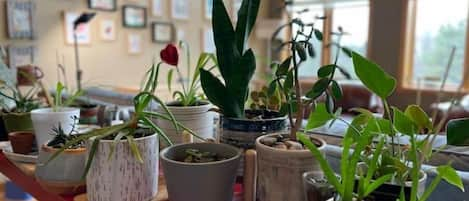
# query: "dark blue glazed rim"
[[275, 124]]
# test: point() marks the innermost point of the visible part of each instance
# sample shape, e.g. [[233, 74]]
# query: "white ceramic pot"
[[197, 118], [280, 172], [63, 175], [122, 177], [45, 119]]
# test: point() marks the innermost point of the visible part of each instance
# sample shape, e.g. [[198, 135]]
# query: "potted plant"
[[402, 164], [63, 175], [189, 108], [122, 162], [45, 119], [211, 168]]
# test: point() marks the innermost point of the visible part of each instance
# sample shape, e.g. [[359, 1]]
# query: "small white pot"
[[45, 119], [280, 172], [122, 177], [197, 118]]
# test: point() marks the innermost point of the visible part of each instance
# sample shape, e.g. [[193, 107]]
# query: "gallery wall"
[[108, 63]]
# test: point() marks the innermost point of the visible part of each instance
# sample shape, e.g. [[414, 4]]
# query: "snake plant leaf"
[[247, 16], [318, 117], [224, 38], [403, 123], [239, 85], [420, 118], [458, 132], [373, 76]]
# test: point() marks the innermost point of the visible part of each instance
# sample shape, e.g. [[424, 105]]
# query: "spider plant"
[[141, 119]]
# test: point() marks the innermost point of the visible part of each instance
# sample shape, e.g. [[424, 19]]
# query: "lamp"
[[82, 19]]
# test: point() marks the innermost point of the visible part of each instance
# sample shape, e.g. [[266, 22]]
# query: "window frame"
[[408, 24]]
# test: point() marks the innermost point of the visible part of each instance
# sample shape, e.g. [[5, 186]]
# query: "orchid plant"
[[190, 84]]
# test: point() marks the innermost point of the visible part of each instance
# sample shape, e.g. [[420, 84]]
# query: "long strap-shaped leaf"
[[160, 132], [247, 16]]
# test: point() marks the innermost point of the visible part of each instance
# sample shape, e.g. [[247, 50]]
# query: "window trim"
[[405, 72]]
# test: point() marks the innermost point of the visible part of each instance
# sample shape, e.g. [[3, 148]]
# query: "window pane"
[[439, 26], [354, 18], [309, 67]]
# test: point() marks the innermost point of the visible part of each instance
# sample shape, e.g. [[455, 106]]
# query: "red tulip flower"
[[170, 55]]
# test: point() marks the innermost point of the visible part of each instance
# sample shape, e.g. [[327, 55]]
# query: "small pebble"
[[292, 145], [269, 141], [280, 145]]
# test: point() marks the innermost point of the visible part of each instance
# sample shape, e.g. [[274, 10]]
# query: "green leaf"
[[114, 143], [217, 93], [326, 70], [134, 148], [301, 51], [155, 128], [318, 34], [247, 15], [170, 78], [284, 67], [457, 132], [347, 52], [329, 104], [165, 117], [318, 117], [89, 161], [58, 95], [272, 88], [326, 168], [318, 88], [420, 118], [402, 123], [336, 90], [288, 83], [450, 175], [377, 183], [373, 77]]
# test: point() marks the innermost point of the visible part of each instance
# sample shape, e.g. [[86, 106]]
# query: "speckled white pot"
[[123, 178]]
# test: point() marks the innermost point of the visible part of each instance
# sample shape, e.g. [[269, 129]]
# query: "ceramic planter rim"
[[255, 120], [407, 183], [164, 151], [123, 141], [17, 132], [203, 104], [15, 113], [48, 110], [258, 142], [49, 149]]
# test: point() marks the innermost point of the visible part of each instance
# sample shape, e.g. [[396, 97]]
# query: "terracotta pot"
[[122, 177], [27, 74], [21, 141], [63, 175], [212, 181], [17, 122], [280, 172]]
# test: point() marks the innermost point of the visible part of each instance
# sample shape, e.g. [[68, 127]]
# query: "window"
[[351, 15], [434, 28]]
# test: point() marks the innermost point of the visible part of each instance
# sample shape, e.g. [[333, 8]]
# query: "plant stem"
[[299, 112]]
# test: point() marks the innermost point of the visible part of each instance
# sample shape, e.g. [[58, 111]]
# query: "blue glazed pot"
[[242, 133]]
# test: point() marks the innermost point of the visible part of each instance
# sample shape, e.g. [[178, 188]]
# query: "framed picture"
[[20, 14], [208, 43], [134, 16], [83, 30], [107, 30], [157, 7], [236, 6], [134, 43], [104, 5], [208, 7], [162, 32], [20, 56], [180, 9]]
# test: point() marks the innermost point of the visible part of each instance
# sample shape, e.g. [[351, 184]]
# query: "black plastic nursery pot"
[[243, 133]]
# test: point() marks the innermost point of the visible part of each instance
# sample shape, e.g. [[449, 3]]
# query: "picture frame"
[[180, 9], [20, 56], [83, 30], [103, 5], [134, 16], [208, 43], [107, 30], [134, 43], [157, 8], [208, 7], [163, 32], [20, 19]]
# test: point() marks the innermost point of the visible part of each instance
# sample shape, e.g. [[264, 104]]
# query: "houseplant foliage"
[[189, 107], [236, 62], [401, 164], [125, 148]]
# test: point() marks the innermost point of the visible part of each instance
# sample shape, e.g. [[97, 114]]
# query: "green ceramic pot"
[[17, 122]]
